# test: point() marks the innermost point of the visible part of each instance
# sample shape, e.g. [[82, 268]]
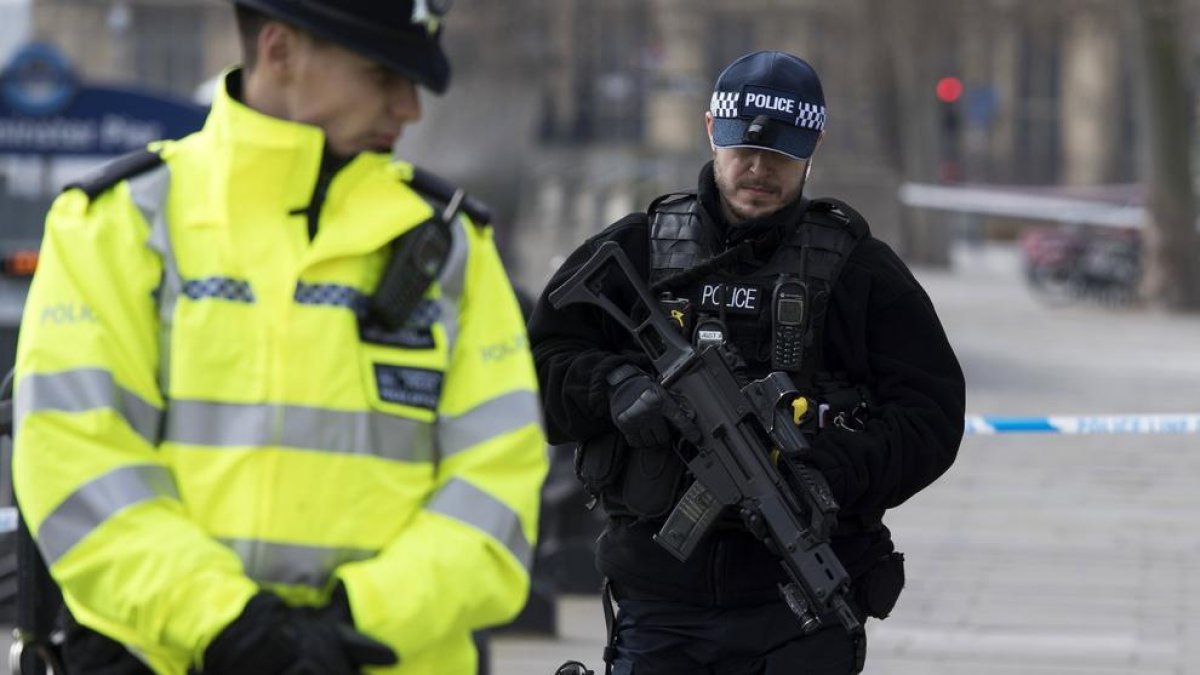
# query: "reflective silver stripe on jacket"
[[85, 390], [230, 424], [149, 192], [98, 500], [453, 280], [225, 425], [292, 564], [464, 502], [492, 418]]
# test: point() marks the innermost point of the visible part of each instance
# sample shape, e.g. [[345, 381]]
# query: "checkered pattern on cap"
[[811, 116], [219, 288], [724, 104], [334, 295]]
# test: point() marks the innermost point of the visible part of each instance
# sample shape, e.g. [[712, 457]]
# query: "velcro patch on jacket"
[[415, 387], [737, 298]]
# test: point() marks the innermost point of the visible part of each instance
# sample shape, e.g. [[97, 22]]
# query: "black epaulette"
[[97, 181], [444, 192], [844, 213], [669, 198]]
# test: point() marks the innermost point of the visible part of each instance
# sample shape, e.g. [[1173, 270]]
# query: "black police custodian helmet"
[[402, 34]]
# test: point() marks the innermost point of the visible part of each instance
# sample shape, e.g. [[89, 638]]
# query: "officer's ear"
[[277, 47], [809, 162]]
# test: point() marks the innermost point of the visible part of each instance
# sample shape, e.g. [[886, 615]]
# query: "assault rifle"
[[749, 451]]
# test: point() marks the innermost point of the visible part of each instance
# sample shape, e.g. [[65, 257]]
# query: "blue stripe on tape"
[[1174, 423], [1022, 425]]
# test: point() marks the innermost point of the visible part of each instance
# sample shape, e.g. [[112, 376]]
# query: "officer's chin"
[[751, 210], [382, 142]]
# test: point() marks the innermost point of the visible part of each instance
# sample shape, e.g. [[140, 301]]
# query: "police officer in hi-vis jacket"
[[286, 421]]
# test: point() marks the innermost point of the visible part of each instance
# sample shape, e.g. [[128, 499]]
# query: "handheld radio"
[[419, 257], [788, 306]]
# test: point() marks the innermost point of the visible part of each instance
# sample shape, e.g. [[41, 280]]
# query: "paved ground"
[[1034, 555]]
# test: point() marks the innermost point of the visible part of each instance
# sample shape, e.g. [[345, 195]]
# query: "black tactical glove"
[[254, 644], [332, 648], [86, 651], [636, 403], [330, 645], [338, 608], [270, 638]]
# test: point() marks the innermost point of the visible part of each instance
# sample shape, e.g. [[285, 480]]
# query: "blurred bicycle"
[[1064, 265]]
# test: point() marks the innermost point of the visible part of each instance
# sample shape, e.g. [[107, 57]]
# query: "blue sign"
[[45, 110], [982, 105], [38, 81]]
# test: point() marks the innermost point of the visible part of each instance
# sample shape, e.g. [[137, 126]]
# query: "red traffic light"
[[949, 89]]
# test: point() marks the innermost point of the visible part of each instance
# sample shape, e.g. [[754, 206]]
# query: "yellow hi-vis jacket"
[[201, 414]]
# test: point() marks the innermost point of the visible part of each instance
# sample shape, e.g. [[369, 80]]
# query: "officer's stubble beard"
[[732, 216]]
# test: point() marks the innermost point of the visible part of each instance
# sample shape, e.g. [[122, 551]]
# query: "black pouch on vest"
[[644, 483], [878, 590], [652, 482], [599, 461]]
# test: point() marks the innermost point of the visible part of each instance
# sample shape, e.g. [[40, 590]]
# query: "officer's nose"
[[404, 100], [758, 160]]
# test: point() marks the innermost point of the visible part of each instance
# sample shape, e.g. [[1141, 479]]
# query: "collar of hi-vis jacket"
[[275, 163]]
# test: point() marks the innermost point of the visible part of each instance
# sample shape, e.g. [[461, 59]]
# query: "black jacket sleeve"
[[575, 347], [882, 331]]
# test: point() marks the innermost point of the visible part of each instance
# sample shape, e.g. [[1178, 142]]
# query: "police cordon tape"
[[1171, 423], [985, 425]]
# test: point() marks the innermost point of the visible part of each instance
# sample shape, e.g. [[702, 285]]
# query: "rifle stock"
[[749, 451]]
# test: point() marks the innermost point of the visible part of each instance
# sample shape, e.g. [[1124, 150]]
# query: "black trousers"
[[671, 638]]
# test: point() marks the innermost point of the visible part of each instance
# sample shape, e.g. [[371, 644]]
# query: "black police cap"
[[404, 35]]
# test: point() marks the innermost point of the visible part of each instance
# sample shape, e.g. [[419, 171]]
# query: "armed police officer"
[[286, 429], [787, 284]]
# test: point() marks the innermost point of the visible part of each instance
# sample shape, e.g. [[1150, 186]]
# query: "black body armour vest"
[[774, 316]]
